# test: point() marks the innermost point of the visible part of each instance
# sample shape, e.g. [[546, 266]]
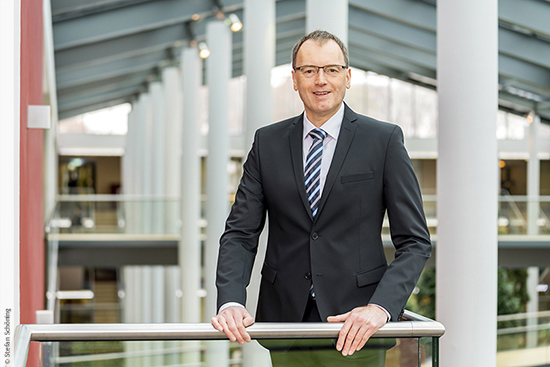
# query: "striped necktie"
[[312, 171]]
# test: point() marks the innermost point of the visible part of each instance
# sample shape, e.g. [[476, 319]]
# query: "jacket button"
[[307, 276], [315, 235]]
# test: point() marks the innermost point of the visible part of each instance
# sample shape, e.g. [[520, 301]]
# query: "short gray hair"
[[321, 37]]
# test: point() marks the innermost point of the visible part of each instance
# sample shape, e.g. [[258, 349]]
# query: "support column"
[[218, 73], [467, 181], [189, 249], [10, 39], [532, 306], [128, 171], [533, 176], [146, 163], [533, 212], [328, 15], [158, 156], [50, 152], [259, 59], [171, 80]]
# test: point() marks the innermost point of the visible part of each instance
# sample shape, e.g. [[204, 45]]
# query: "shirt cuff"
[[380, 307], [233, 304]]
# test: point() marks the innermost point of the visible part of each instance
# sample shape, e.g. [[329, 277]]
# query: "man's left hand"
[[359, 325]]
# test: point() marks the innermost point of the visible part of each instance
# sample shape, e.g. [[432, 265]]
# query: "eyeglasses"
[[309, 71]]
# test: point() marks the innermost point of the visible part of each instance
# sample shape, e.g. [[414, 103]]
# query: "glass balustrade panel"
[[403, 352]]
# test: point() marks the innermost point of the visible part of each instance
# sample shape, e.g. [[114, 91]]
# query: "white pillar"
[[328, 15], [259, 59], [146, 163], [533, 177], [172, 292], [172, 310], [158, 153], [128, 170], [10, 37], [467, 181], [172, 148], [157, 311], [50, 152], [218, 73], [532, 306], [533, 211], [189, 250]]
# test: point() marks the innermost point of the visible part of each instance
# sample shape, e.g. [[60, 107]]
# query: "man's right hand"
[[233, 321]]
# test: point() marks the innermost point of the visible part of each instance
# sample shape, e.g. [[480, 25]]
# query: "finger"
[[350, 338], [242, 332], [233, 328], [359, 336], [226, 329], [364, 341], [342, 336], [338, 318], [215, 323], [248, 320]]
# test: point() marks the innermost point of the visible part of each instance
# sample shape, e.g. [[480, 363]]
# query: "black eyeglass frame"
[[320, 67]]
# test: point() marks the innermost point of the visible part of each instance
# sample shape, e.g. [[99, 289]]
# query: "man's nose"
[[321, 77]]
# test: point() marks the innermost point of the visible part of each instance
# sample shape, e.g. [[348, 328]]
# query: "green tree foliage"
[[512, 292]]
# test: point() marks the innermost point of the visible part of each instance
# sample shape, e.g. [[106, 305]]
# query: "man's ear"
[[348, 78], [294, 80]]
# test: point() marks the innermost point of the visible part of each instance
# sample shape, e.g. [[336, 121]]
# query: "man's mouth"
[[320, 93]]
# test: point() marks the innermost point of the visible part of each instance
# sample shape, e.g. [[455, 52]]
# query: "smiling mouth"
[[321, 93]]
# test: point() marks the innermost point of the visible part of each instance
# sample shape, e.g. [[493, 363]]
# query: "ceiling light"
[[204, 52], [235, 22]]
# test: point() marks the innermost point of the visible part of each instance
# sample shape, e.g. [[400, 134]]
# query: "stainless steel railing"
[[416, 326]]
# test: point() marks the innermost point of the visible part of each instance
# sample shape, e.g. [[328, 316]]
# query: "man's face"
[[322, 95]]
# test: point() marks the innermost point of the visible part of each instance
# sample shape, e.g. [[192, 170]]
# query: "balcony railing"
[[414, 327]]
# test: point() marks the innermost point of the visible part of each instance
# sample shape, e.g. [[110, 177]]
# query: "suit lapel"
[[296, 146], [347, 131]]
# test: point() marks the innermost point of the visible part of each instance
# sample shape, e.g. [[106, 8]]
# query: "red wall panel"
[[31, 166]]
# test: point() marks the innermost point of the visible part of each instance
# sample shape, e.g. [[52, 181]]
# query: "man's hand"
[[233, 321], [359, 325]]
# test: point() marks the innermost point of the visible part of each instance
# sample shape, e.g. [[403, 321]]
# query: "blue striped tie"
[[312, 171]]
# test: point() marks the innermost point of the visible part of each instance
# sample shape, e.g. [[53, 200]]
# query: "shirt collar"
[[331, 127]]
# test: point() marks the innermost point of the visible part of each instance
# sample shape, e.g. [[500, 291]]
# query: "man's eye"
[[332, 70], [308, 71]]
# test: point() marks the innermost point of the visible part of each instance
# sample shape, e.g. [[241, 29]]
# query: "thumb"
[[247, 320], [338, 318]]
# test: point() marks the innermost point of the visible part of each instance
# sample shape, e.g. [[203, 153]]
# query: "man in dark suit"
[[325, 178]]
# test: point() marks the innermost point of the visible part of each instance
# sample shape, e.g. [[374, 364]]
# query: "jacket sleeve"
[[239, 242], [408, 228]]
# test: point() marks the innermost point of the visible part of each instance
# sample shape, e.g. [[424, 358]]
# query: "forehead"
[[314, 53]]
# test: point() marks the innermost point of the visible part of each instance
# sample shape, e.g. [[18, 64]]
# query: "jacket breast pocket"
[[358, 177], [268, 273], [369, 277]]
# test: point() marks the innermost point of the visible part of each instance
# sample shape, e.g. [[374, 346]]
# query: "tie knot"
[[318, 134]]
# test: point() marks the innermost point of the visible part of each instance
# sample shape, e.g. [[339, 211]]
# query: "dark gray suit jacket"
[[341, 250]]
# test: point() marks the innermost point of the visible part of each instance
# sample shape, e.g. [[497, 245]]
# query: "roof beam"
[[134, 80], [419, 14], [391, 30], [398, 51], [92, 107], [70, 103], [117, 48], [129, 20], [414, 13], [528, 14], [111, 69]]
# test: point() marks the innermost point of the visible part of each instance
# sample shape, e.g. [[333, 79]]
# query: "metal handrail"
[[416, 328]]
